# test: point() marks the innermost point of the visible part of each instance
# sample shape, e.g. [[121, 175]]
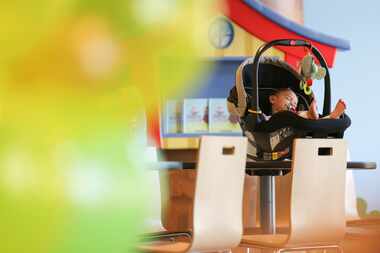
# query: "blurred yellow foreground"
[[76, 78]]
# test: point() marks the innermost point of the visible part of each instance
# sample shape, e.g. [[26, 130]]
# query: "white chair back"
[[217, 213], [351, 197], [153, 222], [317, 213]]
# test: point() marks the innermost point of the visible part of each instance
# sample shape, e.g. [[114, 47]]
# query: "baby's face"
[[284, 101]]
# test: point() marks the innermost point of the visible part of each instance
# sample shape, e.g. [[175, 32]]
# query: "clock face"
[[221, 33]]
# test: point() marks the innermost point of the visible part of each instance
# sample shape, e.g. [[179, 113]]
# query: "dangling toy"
[[310, 71]]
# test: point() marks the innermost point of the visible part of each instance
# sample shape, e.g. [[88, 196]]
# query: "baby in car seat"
[[286, 100]]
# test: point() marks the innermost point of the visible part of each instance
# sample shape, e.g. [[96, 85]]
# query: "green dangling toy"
[[310, 71]]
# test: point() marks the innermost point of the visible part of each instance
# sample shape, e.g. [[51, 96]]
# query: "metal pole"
[[268, 204]]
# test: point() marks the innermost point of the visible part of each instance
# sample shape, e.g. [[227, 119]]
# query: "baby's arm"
[[303, 114], [312, 113], [339, 109]]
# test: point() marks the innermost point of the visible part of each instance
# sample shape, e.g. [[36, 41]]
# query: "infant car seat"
[[259, 77]]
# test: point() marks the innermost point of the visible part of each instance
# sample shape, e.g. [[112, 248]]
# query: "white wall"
[[356, 78]]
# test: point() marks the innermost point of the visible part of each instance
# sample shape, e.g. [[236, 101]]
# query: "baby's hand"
[[313, 111]]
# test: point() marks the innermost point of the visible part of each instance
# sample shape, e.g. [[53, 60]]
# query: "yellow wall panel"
[[256, 43]]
